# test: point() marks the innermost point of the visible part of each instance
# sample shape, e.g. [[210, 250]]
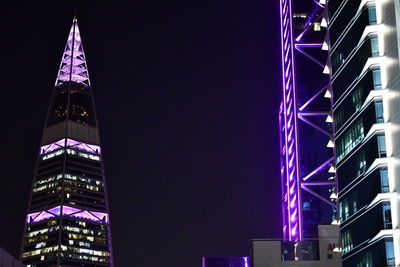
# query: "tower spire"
[[73, 65]]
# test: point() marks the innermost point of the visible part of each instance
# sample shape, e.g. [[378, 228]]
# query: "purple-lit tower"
[[67, 222], [307, 158]]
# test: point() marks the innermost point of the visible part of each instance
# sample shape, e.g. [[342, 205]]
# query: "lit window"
[[317, 26], [374, 47], [376, 74]]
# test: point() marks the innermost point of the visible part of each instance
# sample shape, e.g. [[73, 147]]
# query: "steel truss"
[[294, 115]]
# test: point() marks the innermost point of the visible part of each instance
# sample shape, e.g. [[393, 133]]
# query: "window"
[[348, 206], [350, 139], [387, 215], [372, 15], [347, 243], [384, 180], [366, 260], [357, 97], [317, 26], [381, 146], [362, 164], [379, 111], [389, 253], [376, 74], [337, 59], [306, 205], [374, 47]]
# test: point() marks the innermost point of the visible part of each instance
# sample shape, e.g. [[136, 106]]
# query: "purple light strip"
[[333, 205], [310, 57], [290, 141], [246, 263], [283, 176], [308, 45], [93, 149], [309, 114], [318, 169], [313, 98], [94, 216], [322, 183], [315, 126], [320, 5]]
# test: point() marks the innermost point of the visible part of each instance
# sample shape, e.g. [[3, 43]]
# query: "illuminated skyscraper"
[[364, 49], [309, 187], [67, 222]]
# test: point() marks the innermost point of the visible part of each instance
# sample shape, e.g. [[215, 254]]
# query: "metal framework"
[[310, 113], [73, 62]]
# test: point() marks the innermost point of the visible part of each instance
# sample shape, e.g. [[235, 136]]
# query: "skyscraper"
[[67, 223], [364, 49], [309, 187]]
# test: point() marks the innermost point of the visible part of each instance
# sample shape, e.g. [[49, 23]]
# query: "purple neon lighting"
[[51, 147], [67, 211], [73, 63], [290, 161], [93, 149], [246, 261]]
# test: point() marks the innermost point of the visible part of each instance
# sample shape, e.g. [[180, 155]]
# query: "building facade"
[[309, 184], [67, 222], [321, 252], [364, 51], [225, 261]]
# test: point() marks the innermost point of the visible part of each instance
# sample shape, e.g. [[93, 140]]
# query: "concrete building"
[[322, 252]]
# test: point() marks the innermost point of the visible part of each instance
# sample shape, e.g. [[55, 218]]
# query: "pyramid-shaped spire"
[[73, 63]]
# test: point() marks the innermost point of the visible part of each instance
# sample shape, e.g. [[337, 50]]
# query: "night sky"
[[187, 95]]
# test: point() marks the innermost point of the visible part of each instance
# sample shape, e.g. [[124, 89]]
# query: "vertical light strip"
[[290, 176]]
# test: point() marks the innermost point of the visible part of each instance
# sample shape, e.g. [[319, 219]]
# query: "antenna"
[[76, 4]]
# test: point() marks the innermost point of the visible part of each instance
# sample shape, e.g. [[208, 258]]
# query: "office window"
[[362, 164], [348, 206], [350, 139], [384, 180], [387, 215], [379, 111], [389, 253], [372, 15], [381, 146], [374, 47], [366, 260], [347, 243], [376, 74], [357, 97]]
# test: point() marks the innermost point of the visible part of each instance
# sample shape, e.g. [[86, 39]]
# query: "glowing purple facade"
[[305, 117], [225, 261], [68, 222]]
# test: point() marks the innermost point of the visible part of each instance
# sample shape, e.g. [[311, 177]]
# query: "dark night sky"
[[187, 94]]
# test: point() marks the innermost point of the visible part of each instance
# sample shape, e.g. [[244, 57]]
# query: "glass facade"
[[360, 133]]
